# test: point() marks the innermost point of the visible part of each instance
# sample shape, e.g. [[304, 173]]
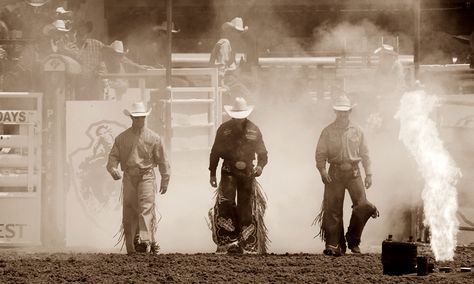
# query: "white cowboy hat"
[[138, 109], [61, 10], [385, 49], [36, 3], [235, 24], [342, 103], [117, 46], [239, 109], [164, 27], [58, 25]]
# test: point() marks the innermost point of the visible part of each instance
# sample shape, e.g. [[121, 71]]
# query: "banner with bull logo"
[[93, 199]]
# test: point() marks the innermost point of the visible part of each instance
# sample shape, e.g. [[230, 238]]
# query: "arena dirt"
[[26, 267]]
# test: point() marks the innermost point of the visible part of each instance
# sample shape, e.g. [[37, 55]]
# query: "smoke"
[[354, 37], [419, 134]]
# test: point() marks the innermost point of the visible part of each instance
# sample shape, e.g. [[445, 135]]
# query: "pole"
[[169, 112], [169, 21], [416, 51]]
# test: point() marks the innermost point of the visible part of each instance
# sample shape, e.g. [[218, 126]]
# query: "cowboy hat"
[[385, 49], [164, 27], [235, 24], [239, 109], [342, 103], [61, 10], [58, 25], [138, 109], [36, 3], [117, 46]]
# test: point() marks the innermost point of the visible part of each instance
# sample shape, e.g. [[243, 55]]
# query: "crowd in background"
[[32, 31]]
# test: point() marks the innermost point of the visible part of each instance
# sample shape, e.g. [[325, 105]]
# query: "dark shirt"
[[234, 144]]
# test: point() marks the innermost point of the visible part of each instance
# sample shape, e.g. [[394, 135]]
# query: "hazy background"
[[290, 117]]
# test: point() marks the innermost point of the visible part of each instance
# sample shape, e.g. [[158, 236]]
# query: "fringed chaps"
[[255, 236]]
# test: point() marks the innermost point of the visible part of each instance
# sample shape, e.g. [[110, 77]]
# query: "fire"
[[419, 134]]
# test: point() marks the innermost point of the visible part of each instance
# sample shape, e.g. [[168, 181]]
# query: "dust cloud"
[[291, 128]]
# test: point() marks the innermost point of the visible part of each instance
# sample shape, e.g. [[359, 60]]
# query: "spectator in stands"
[[58, 41], [90, 58], [115, 61], [156, 51], [63, 14], [389, 83], [223, 57], [148, 43], [389, 75]]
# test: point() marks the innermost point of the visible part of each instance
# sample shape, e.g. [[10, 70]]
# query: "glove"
[[163, 189], [368, 181], [325, 177], [116, 174], [213, 181], [257, 171]]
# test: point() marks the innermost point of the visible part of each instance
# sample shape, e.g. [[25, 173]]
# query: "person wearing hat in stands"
[[388, 84], [138, 150], [389, 74], [224, 52], [63, 14], [58, 41], [237, 217], [149, 43], [114, 60], [342, 144], [158, 46]]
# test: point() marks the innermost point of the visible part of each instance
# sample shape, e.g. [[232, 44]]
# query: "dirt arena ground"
[[26, 267]]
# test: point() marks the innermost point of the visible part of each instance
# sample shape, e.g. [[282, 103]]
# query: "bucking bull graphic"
[[97, 193]]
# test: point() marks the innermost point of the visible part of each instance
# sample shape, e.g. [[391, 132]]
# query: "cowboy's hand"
[[368, 181], [116, 174], [257, 171], [163, 189], [213, 181], [325, 177]]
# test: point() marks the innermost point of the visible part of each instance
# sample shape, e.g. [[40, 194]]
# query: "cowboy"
[[342, 144], [238, 226], [138, 150], [223, 55]]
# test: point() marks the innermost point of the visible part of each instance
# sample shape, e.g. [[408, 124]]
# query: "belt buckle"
[[345, 166], [240, 165]]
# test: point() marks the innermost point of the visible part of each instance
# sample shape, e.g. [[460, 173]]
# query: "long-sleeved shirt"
[[234, 144], [339, 144], [223, 56], [139, 150], [390, 80], [90, 55]]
